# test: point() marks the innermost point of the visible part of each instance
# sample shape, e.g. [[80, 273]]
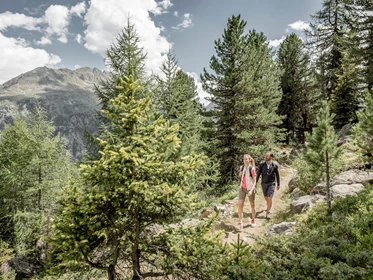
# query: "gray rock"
[[220, 208], [25, 267], [345, 131], [280, 228], [344, 140], [301, 204], [318, 198], [319, 189], [291, 185], [231, 203], [344, 190], [295, 194], [225, 227], [353, 176]]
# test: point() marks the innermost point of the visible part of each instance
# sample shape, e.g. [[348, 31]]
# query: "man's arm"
[[260, 170], [277, 174]]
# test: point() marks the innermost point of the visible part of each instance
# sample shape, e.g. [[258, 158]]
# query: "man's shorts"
[[242, 195], [268, 189]]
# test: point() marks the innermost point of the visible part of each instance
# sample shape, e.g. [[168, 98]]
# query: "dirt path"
[[280, 204]]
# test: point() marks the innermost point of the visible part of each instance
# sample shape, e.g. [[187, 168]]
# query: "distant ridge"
[[67, 95]]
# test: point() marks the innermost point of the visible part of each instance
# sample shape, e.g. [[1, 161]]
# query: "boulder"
[[220, 208], [281, 228], [319, 189], [25, 267], [344, 190], [226, 227], [344, 140], [318, 198], [301, 204], [353, 176], [295, 194], [345, 131]]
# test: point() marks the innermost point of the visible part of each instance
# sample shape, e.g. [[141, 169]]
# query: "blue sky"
[[76, 33]]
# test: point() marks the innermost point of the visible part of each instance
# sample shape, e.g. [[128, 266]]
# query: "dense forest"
[[160, 157]]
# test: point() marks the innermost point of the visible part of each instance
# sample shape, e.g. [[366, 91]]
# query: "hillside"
[[67, 95]]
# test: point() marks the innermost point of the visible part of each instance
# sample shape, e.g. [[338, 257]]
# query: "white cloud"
[[79, 9], [57, 18], [299, 26], [275, 43], [78, 38], [161, 7], [8, 19], [186, 23], [77, 66], [17, 57], [202, 95], [176, 13], [105, 19], [44, 41]]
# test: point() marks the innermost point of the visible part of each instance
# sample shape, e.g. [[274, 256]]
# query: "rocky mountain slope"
[[68, 97]]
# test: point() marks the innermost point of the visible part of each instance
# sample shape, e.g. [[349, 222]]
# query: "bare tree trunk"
[[328, 197], [111, 272]]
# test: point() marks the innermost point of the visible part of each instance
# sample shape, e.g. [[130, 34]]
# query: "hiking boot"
[[268, 215], [253, 224]]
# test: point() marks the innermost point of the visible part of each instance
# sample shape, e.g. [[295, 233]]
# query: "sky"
[[76, 33]]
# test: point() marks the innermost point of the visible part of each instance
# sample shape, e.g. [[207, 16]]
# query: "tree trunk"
[[135, 247], [328, 197], [111, 272]]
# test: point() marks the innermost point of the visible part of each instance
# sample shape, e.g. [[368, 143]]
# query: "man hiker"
[[269, 171]]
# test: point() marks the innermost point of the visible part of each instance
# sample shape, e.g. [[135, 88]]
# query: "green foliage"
[[175, 97], [328, 36], [305, 178], [259, 98], [124, 56], [245, 94], [363, 131], [223, 86], [136, 184], [239, 262], [322, 151], [345, 97], [34, 165], [325, 247], [299, 94]]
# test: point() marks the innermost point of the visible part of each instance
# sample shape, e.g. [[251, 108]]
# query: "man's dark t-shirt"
[[269, 173]]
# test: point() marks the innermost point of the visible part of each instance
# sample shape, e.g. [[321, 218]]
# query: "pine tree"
[[257, 102], [223, 87], [363, 131], [328, 39], [176, 99], [299, 93], [322, 150], [134, 187], [366, 35], [124, 56], [345, 97], [34, 164]]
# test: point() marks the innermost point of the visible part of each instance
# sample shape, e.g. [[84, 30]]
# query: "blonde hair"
[[251, 160]]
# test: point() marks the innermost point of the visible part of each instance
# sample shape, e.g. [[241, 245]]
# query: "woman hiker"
[[247, 187]]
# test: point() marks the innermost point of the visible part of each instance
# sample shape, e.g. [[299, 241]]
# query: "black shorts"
[[268, 189]]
